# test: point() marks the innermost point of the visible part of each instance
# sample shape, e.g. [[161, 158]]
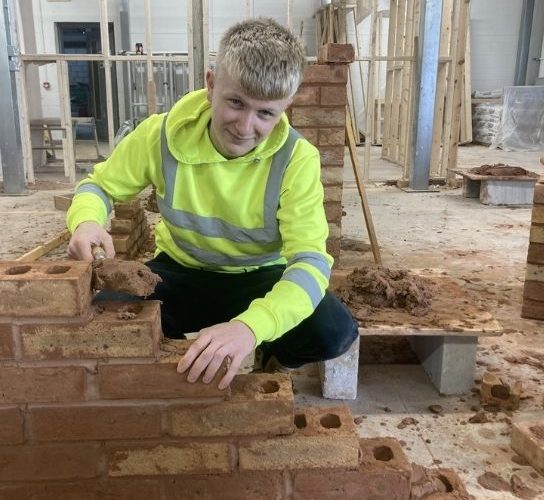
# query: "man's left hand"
[[233, 339]]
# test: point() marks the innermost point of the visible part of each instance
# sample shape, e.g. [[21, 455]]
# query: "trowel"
[[122, 276]]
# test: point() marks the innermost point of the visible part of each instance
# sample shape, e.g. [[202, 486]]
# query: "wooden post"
[[386, 140], [369, 110], [105, 41], [66, 121], [151, 86], [195, 33]]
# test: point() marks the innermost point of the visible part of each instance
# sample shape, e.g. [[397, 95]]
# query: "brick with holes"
[[528, 441]]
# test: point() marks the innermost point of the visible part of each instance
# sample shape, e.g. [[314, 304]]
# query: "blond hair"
[[265, 58]]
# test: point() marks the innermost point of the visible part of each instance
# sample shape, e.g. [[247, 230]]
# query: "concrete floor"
[[484, 247]]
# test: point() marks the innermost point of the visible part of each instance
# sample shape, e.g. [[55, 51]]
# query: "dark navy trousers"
[[193, 299]]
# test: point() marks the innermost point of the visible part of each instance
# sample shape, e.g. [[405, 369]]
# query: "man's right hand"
[[87, 235]]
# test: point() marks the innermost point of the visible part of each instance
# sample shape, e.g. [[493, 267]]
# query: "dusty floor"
[[484, 248]]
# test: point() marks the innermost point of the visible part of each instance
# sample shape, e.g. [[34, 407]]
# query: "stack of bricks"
[[91, 406], [533, 293], [318, 112], [129, 229]]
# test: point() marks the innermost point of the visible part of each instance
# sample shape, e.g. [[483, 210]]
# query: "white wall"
[[494, 26], [46, 14]]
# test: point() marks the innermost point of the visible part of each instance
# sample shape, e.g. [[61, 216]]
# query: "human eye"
[[266, 114], [235, 103]]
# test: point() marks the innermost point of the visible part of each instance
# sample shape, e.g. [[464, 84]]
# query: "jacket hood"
[[187, 123]]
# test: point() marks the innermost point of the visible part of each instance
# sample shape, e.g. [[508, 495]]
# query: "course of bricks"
[[533, 293], [129, 229], [91, 407], [318, 112]]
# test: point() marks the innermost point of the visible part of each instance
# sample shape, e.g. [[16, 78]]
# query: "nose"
[[244, 124]]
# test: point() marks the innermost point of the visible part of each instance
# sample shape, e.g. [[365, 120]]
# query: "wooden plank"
[[441, 86], [459, 64], [362, 192], [413, 16], [397, 88], [466, 109], [151, 86], [49, 245], [66, 121], [369, 107], [105, 42], [386, 140], [454, 311]]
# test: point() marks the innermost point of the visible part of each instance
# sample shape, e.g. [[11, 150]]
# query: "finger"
[[214, 365], [202, 362], [231, 372], [80, 250], [192, 353], [107, 244]]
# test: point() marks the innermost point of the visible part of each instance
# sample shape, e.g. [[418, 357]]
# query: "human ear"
[[210, 83]]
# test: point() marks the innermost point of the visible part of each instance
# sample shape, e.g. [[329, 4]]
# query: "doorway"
[[87, 78]]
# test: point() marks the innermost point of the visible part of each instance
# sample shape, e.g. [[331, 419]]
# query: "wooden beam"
[[105, 42], [49, 245], [151, 86], [362, 193], [66, 121]]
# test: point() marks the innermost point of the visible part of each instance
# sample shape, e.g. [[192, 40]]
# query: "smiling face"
[[239, 122]]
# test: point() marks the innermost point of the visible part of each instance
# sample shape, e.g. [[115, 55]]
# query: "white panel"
[[494, 26]]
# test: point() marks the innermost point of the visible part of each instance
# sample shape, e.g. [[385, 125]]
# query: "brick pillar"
[[533, 293], [319, 113]]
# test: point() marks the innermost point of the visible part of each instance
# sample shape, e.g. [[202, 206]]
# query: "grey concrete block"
[[339, 375], [448, 360], [507, 192]]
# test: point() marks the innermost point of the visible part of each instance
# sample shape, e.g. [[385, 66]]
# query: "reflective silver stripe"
[[315, 259], [93, 188], [215, 227], [219, 259], [218, 228], [307, 282]]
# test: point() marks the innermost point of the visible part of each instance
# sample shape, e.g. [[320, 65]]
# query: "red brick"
[[236, 486], [123, 243], [261, 404], [312, 116], [333, 194], [332, 155], [334, 247], [63, 201], [528, 441], [105, 336], [534, 290], [531, 309], [96, 422], [336, 53], [334, 96], [42, 462], [11, 426], [127, 209], [534, 272], [537, 216], [508, 397], [325, 437], [333, 211], [383, 473], [538, 196], [45, 289], [332, 136], [153, 381], [535, 254], [15, 493], [7, 348], [310, 134], [306, 96], [169, 459], [326, 73], [332, 175], [130, 489], [451, 483], [80, 490], [33, 385], [537, 233]]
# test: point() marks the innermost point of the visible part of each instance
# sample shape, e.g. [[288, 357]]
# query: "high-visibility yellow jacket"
[[224, 215]]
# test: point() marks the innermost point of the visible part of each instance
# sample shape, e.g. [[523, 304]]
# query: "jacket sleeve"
[[304, 232], [131, 167]]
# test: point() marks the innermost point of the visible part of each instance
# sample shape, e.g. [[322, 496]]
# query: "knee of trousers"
[[336, 330]]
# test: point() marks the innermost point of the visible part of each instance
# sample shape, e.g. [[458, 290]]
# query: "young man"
[[241, 244]]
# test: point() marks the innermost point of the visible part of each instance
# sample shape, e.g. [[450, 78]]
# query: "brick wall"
[[319, 113], [91, 407], [533, 293]]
